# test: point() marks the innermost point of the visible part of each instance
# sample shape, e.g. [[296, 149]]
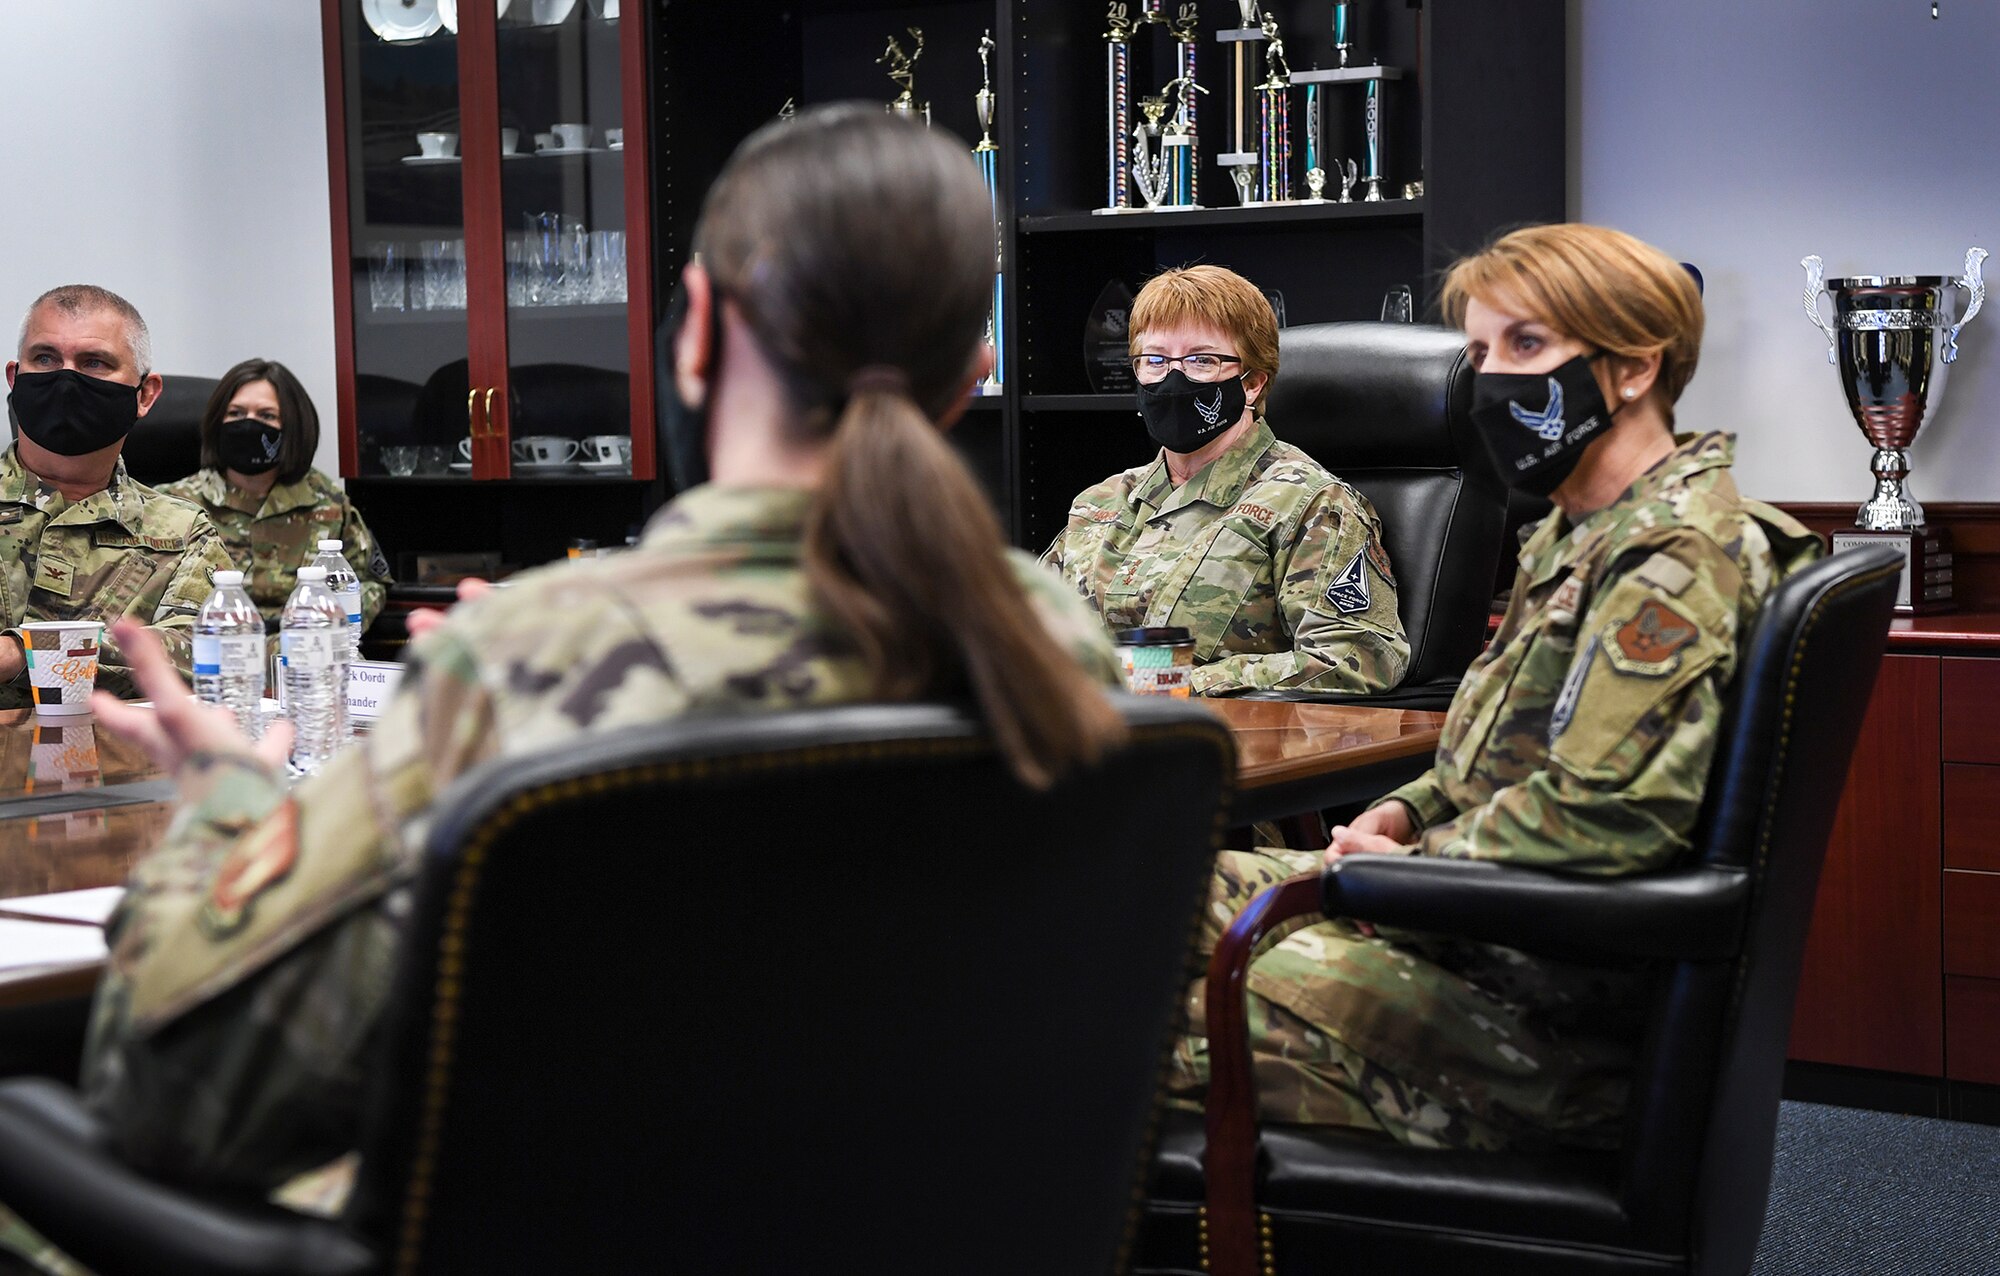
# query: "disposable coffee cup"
[[1156, 661], [62, 663]]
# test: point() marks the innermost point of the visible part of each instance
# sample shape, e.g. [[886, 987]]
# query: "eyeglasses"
[[1199, 367]]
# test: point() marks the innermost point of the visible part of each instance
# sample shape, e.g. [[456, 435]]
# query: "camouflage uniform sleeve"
[[257, 1072], [1425, 796], [173, 616], [1633, 727], [1338, 599], [1070, 620], [357, 543]]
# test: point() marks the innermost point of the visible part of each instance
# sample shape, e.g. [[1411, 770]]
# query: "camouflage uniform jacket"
[[272, 538], [1274, 566], [1580, 741], [252, 952], [125, 551]]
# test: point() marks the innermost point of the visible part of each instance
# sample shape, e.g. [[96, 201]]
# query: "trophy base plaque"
[[1925, 586]]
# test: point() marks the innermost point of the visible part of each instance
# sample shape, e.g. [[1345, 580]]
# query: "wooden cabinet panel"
[[1971, 709], [1972, 1042], [1870, 995], [1972, 816], [1972, 924]]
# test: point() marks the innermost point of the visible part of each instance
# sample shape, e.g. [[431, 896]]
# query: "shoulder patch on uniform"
[[1649, 644], [1349, 591], [260, 860], [1670, 574]]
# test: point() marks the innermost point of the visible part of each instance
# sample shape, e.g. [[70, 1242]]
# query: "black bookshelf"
[[1478, 116]]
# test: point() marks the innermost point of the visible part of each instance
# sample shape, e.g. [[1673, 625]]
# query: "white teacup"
[[465, 449], [510, 140], [545, 141], [606, 448], [544, 449], [614, 137], [437, 145], [571, 137]]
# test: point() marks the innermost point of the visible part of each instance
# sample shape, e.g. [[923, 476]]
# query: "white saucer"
[[544, 465], [569, 150], [602, 465], [426, 160], [616, 146], [460, 467]]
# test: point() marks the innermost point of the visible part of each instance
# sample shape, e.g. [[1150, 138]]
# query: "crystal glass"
[[387, 287]]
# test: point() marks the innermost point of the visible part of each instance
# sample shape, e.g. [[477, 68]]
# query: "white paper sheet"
[[92, 905], [27, 945]]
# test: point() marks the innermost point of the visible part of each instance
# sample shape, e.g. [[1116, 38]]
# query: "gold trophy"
[[903, 70]]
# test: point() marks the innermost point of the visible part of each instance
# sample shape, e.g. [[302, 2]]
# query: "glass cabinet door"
[[410, 409], [570, 355]]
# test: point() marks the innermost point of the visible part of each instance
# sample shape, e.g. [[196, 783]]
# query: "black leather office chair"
[[893, 1032], [166, 443], [1686, 1192], [1384, 406]]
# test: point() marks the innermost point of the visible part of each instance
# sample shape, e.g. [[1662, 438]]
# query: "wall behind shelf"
[[1744, 136], [176, 154]]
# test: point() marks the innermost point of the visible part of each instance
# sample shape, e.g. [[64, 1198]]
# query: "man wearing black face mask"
[[79, 539]]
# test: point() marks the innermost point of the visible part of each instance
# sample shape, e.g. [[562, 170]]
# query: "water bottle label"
[[350, 602], [207, 656], [309, 649], [242, 653]]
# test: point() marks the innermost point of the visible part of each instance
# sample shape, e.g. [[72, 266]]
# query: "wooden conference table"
[[78, 806]]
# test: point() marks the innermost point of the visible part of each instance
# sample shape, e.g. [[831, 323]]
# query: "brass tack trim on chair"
[[452, 944], [1785, 740]]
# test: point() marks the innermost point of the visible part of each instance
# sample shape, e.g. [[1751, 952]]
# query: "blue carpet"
[[1857, 1193]]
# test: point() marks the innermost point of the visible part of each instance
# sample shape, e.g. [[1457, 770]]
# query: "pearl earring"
[[1630, 392]]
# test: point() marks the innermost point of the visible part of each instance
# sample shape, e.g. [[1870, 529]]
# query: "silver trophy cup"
[[1883, 335]]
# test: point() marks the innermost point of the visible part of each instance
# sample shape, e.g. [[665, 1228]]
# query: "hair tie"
[[878, 378]]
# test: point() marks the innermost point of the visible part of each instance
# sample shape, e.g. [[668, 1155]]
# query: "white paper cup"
[[62, 663]]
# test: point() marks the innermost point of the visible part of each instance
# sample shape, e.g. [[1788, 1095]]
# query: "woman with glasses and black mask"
[[1274, 566]]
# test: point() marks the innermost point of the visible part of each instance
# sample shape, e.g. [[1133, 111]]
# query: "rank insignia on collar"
[[1650, 643], [1349, 591]]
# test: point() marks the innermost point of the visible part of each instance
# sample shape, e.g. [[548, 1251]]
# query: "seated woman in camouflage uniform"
[[1274, 566], [1579, 741], [832, 326], [256, 481]]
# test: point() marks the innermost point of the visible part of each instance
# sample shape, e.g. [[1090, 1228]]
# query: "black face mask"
[[684, 426], [1181, 414], [248, 446], [1536, 424], [71, 414]]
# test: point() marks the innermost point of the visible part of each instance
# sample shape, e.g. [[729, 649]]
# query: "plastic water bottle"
[[345, 587], [229, 653], [314, 647]]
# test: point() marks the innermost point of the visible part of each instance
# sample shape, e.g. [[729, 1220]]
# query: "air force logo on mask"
[[1212, 413], [1549, 421]]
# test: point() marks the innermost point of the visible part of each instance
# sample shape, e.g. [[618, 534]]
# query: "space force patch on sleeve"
[[1650, 643], [1349, 591]]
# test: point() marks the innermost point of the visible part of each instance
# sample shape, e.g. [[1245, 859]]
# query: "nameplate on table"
[[370, 683]]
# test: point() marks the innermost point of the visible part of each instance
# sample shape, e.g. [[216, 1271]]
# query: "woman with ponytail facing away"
[[826, 547]]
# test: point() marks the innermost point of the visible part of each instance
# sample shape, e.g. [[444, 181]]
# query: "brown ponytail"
[[859, 249]]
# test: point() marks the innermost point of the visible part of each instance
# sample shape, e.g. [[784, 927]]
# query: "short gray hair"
[[80, 299]]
